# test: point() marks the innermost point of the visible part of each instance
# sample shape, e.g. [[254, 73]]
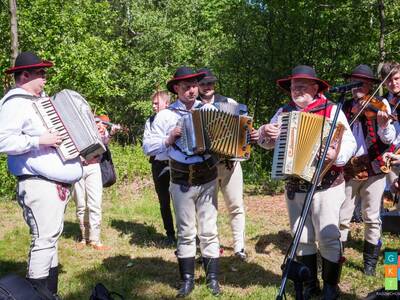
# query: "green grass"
[[139, 266]]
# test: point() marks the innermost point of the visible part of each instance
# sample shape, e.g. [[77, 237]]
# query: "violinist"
[[374, 133]]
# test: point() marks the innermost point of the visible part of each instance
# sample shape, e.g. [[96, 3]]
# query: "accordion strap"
[[29, 97]]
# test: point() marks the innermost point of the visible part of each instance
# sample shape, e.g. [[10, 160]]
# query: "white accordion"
[[297, 147], [68, 113]]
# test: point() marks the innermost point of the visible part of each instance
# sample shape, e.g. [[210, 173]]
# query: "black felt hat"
[[209, 77], [363, 72], [183, 73], [304, 72], [28, 60]]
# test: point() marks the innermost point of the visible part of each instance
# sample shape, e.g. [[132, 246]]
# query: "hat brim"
[[362, 76], [172, 82], [285, 82], [43, 64]]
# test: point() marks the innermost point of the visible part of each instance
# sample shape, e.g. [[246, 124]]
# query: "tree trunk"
[[382, 53], [14, 30]]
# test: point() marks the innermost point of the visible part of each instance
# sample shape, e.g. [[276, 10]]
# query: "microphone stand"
[[292, 269]]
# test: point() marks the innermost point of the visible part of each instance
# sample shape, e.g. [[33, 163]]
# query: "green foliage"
[[116, 53], [8, 182], [130, 162]]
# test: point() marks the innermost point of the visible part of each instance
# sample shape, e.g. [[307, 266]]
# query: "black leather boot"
[[186, 270], [370, 256], [211, 267], [331, 276], [40, 285], [311, 287], [52, 282]]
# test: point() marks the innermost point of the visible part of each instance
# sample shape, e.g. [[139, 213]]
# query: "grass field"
[[139, 266]]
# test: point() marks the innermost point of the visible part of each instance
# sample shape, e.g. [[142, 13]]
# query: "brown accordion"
[[213, 130], [68, 113], [297, 147]]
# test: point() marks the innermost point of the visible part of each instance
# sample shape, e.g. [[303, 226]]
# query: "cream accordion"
[[298, 145], [68, 113], [221, 129]]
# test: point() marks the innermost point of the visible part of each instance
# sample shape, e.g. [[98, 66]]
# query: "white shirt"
[[164, 122], [147, 142], [347, 146], [20, 129], [230, 100]]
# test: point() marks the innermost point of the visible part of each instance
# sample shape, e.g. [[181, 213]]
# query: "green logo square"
[[390, 284], [390, 258]]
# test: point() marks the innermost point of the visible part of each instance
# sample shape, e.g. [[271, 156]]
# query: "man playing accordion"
[[322, 222], [193, 184], [44, 179]]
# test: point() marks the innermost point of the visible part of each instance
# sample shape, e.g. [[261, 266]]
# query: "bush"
[[257, 172], [130, 162], [8, 182]]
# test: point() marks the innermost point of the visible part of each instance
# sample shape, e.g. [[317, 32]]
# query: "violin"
[[370, 106], [374, 106]]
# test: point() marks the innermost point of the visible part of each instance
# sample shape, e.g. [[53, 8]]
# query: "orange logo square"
[[390, 271]]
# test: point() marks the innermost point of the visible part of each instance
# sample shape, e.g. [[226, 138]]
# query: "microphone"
[[345, 87]]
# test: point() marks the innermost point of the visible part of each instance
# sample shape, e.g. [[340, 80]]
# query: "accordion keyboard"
[[280, 146], [52, 120], [70, 114]]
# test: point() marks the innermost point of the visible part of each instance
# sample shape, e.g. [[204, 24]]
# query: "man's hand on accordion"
[[332, 152], [272, 131], [173, 136], [254, 136], [50, 138]]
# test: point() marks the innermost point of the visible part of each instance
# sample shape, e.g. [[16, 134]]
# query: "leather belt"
[[160, 162], [193, 174], [28, 176]]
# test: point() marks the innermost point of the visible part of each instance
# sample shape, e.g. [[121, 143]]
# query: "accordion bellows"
[[298, 145], [216, 131], [70, 114]]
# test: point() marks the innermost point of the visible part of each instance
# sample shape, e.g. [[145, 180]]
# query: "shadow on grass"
[[246, 274], [8, 267], [355, 243], [281, 240], [19, 268], [71, 230], [141, 234], [134, 282]]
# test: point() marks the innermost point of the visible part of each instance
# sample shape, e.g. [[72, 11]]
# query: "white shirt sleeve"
[[154, 138], [13, 119], [348, 145], [396, 126], [264, 141]]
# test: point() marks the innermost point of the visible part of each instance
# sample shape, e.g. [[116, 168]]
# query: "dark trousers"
[[161, 180]]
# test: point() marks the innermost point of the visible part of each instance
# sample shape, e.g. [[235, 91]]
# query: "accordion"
[[220, 129], [70, 114], [298, 145]]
